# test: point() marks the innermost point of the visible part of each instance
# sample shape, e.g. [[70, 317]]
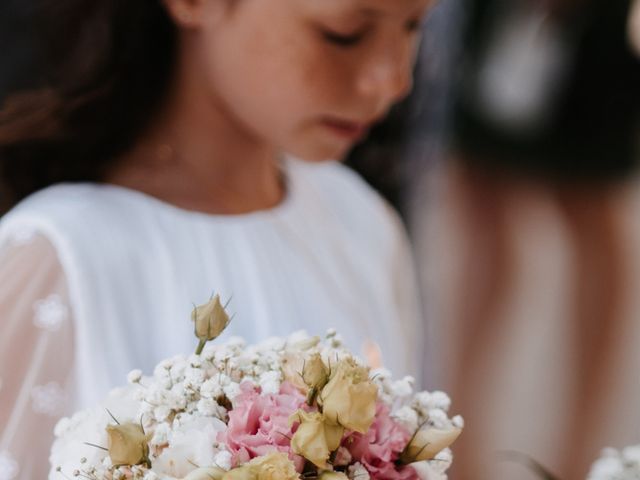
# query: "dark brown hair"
[[107, 65]]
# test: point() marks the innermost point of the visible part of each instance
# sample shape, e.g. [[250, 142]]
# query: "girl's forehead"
[[368, 8]]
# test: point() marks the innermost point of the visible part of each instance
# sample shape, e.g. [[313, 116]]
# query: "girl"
[[156, 155]]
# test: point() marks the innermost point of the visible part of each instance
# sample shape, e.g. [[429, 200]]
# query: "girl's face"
[[308, 77]]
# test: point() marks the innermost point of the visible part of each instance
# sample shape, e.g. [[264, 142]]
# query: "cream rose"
[[209, 320], [427, 443], [127, 444], [349, 399], [315, 439], [208, 473], [275, 466]]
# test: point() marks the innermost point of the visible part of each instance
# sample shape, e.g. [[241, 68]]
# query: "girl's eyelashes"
[[414, 25], [343, 40], [346, 40]]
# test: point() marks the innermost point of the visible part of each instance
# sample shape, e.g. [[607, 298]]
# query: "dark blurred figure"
[[546, 107], [380, 159], [18, 36], [550, 89], [396, 155]]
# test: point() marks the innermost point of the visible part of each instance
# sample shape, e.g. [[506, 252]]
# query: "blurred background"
[[513, 164]]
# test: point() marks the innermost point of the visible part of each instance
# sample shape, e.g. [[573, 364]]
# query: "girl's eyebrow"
[[371, 12]]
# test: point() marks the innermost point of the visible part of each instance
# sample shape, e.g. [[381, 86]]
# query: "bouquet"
[[617, 465], [286, 409]]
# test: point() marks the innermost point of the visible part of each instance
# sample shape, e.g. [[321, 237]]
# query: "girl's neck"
[[196, 156]]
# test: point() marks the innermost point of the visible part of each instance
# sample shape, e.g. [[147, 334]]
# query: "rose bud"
[[210, 319]]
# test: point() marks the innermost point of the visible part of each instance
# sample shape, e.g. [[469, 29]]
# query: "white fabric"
[[333, 254], [36, 354]]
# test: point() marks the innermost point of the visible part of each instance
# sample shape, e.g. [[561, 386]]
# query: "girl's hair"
[[382, 158], [106, 65]]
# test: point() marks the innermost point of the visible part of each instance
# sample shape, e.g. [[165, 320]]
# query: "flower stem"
[[200, 346], [311, 396]]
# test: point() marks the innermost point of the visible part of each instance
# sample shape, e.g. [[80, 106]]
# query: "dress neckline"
[[282, 208]]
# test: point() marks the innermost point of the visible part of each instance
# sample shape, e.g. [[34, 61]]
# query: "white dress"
[[98, 279]]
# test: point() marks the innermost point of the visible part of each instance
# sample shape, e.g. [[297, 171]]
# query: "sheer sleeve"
[[36, 355]]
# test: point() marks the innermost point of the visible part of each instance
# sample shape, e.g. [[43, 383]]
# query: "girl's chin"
[[320, 160], [322, 152]]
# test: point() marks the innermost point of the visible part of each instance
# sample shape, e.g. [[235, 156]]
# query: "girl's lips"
[[346, 129]]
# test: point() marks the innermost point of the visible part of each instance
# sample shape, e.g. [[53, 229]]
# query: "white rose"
[[191, 441], [89, 426], [223, 460]]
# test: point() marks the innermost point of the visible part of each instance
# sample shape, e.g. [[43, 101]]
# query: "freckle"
[[164, 152]]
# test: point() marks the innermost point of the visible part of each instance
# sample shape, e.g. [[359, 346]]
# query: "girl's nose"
[[388, 75]]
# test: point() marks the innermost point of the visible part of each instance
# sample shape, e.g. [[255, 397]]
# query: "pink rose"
[[259, 424], [380, 447]]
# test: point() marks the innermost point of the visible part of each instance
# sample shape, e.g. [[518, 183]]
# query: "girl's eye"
[[341, 40], [414, 26]]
